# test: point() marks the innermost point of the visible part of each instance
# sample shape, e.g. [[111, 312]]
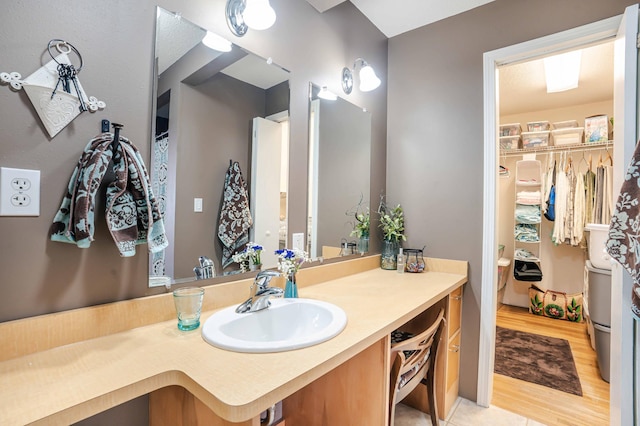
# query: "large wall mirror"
[[215, 108], [339, 173]]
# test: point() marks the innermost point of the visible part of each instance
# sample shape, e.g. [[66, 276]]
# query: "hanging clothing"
[[548, 181], [590, 195], [562, 190], [235, 215], [624, 240], [577, 234], [131, 211]]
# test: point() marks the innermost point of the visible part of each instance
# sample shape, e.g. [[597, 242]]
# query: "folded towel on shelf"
[[528, 197], [235, 215], [524, 232], [624, 242], [131, 210], [524, 254], [525, 213]]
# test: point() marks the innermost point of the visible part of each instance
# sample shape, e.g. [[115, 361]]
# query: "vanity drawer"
[[455, 311], [453, 361]]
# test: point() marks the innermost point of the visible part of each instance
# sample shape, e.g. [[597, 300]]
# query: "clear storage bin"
[[509, 142], [565, 124], [512, 129], [567, 136], [538, 126], [535, 139]]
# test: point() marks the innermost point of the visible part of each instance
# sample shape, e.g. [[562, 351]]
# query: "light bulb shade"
[[562, 71], [324, 93], [258, 14], [215, 42], [368, 79]]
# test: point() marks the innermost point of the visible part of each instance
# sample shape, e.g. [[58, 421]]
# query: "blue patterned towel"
[[131, 210], [624, 232]]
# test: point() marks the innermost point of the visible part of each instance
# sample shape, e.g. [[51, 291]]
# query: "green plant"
[[362, 225], [391, 222]]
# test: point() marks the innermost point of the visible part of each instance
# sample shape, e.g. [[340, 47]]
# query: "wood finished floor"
[[546, 405]]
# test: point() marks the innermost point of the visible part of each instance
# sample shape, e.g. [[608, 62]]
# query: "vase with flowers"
[[392, 225], [249, 258], [289, 261], [361, 230]]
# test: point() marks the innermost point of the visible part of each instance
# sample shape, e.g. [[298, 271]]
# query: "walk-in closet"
[[555, 196]]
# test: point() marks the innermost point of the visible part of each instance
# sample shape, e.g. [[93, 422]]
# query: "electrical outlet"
[[19, 192], [297, 240]]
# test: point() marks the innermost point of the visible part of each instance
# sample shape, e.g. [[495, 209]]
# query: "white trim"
[[581, 36], [625, 137], [279, 117]]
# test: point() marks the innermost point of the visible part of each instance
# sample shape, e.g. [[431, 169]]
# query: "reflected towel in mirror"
[[235, 215]]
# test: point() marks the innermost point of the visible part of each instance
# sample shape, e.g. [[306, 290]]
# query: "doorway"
[[623, 29], [523, 101]]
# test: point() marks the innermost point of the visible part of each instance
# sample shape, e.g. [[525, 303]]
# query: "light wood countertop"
[[71, 382]]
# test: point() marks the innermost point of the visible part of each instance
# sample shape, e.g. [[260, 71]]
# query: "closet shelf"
[[561, 148], [528, 183]]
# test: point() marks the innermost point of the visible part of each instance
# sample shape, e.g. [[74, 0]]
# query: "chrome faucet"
[[260, 293]]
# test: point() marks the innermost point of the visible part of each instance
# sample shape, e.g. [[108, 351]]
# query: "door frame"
[[566, 40]]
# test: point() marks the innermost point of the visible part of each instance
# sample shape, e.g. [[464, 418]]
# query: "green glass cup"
[[188, 301]]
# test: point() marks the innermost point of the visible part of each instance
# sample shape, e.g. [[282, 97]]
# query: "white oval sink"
[[287, 324]]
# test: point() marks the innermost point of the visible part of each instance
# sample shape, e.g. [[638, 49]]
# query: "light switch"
[[297, 241], [197, 205]]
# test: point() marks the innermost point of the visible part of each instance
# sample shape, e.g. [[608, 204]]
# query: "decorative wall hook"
[[54, 89]]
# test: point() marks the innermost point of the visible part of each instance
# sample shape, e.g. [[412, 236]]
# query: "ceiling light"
[[216, 42], [562, 71], [324, 93], [368, 78]]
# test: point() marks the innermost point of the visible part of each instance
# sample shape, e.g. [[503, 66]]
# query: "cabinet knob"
[[457, 297], [455, 348]]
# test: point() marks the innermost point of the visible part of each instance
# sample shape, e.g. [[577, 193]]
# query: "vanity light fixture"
[[259, 15], [368, 78], [245, 14], [562, 71], [216, 42], [326, 94]]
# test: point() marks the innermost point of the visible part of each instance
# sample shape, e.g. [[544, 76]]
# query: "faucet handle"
[[264, 277]]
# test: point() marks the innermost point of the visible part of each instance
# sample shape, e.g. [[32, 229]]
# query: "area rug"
[[543, 360]]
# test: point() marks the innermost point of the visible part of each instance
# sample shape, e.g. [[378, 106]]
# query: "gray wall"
[[435, 131], [116, 40], [343, 154], [214, 127]]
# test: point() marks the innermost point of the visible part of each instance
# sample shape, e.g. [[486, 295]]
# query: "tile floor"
[[463, 413]]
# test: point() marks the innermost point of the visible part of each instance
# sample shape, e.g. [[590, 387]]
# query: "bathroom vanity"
[[61, 368]]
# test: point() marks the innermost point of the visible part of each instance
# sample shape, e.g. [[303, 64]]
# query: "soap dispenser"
[[400, 262]]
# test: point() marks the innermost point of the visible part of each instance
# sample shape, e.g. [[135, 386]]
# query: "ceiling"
[[523, 89], [393, 17]]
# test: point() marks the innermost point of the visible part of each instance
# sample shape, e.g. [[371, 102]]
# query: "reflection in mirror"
[[339, 173], [214, 109]]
